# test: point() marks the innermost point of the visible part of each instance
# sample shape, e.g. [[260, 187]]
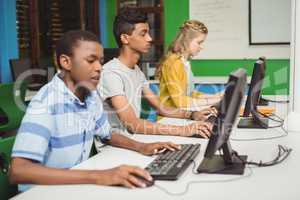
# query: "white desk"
[[277, 182], [207, 80]]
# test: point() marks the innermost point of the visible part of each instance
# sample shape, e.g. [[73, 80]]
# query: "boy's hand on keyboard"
[[198, 128], [124, 175], [158, 147], [203, 114]]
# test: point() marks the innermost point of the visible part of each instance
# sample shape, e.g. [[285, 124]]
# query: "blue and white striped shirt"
[[58, 129]]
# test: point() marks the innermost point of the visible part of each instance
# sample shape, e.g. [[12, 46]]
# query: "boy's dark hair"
[[69, 40], [124, 22]]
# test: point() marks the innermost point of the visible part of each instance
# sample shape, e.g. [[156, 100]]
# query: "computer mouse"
[[145, 181]]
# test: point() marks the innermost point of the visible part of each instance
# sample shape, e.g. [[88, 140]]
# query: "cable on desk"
[[258, 139], [280, 120], [186, 189], [275, 101], [257, 113], [283, 153]]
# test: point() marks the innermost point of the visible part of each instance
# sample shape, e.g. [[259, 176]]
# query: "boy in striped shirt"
[[61, 121]]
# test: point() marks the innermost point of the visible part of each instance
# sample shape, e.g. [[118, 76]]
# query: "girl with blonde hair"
[[174, 71]]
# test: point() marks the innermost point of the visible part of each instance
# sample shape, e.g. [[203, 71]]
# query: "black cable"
[[256, 114], [186, 189], [283, 153], [280, 120], [275, 101], [267, 138]]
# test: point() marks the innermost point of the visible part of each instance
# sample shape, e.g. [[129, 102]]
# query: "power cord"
[[186, 189], [257, 114], [283, 153], [275, 101], [279, 120]]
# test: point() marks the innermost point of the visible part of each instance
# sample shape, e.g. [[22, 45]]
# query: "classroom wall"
[[277, 75], [8, 37]]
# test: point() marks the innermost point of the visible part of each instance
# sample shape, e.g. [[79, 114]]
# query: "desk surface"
[[277, 182]]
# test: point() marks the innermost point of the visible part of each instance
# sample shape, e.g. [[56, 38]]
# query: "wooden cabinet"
[[154, 10], [40, 23]]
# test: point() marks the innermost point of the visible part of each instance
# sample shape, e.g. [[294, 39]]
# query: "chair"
[[12, 105], [110, 53], [6, 190]]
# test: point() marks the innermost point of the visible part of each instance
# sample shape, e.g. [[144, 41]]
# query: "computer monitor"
[[24, 70], [228, 162], [262, 101], [254, 93], [110, 53]]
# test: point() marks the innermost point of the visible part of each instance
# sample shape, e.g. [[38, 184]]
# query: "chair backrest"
[[6, 190], [12, 104], [18, 66], [110, 53]]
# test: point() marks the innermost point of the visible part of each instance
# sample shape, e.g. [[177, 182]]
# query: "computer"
[[254, 93], [228, 162], [262, 101]]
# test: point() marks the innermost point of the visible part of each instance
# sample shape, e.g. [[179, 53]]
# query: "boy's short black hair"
[[69, 40], [124, 22]]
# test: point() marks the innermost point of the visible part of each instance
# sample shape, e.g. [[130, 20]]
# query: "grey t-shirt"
[[118, 79]]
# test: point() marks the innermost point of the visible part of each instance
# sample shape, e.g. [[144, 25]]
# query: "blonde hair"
[[187, 32]]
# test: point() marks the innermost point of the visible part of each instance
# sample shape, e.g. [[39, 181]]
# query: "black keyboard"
[[171, 164]]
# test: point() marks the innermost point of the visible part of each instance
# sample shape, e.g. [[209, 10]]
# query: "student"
[[174, 71], [61, 121], [122, 84]]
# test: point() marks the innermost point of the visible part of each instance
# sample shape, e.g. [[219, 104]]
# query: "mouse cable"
[[187, 186]]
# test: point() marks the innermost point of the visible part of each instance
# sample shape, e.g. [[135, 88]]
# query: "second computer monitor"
[[251, 118]]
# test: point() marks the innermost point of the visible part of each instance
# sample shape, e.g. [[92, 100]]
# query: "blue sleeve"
[[34, 134]]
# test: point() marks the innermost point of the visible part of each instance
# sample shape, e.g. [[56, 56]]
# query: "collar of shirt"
[[60, 86]]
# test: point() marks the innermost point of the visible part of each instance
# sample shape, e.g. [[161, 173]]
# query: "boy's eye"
[[91, 60]]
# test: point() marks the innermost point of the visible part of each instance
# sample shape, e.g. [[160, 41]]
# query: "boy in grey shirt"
[[122, 84]]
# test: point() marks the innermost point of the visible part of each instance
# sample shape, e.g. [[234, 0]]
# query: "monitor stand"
[[228, 163], [250, 122]]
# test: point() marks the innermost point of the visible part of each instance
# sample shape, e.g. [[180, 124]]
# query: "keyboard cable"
[[187, 186]]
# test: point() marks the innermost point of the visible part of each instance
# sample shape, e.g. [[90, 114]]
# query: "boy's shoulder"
[[112, 65]]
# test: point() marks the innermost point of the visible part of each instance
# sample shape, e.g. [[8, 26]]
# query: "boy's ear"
[[124, 38], [65, 62]]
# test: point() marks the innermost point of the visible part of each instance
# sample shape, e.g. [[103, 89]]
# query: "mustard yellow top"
[[173, 83]]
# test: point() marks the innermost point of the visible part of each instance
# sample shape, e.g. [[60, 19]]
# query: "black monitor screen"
[[228, 112], [251, 117], [254, 91]]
